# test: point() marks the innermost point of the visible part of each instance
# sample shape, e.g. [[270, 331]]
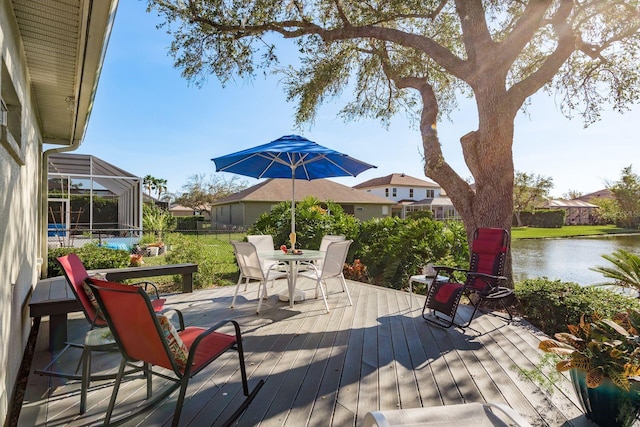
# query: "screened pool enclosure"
[[90, 200]]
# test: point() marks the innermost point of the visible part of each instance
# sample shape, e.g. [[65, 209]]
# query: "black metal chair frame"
[[492, 290]]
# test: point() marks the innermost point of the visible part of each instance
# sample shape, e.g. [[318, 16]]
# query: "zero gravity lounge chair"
[[482, 282]]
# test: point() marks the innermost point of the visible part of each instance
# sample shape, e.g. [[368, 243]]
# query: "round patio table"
[[293, 261]]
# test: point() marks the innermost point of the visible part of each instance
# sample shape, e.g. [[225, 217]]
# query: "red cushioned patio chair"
[[482, 281], [143, 336], [98, 338]]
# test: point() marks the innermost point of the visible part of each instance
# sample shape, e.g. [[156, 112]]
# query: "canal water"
[[568, 259]]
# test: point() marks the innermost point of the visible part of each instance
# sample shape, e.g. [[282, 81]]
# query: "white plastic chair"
[[478, 414], [264, 243], [324, 243], [331, 267], [251, 269], [328, 238]]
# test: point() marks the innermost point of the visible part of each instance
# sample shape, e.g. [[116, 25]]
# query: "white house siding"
[[19, 194], [404, 193]]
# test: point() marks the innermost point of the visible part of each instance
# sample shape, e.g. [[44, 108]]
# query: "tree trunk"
[[488, 154]]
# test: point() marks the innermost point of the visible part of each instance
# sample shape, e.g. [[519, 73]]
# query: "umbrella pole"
[[293, 206]]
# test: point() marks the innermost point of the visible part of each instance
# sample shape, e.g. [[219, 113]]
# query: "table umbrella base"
[[298, 295]]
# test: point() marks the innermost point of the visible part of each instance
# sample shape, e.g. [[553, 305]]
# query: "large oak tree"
[[420, 56]]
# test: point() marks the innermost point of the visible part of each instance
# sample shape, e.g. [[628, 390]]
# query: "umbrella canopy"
[[291, 156]]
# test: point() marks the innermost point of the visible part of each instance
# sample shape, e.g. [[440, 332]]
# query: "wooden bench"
[[54, 298]]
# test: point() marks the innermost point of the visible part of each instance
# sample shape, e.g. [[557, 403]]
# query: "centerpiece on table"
[[603, 359]]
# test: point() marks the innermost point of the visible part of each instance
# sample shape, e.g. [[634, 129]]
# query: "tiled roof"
[[279, 190], [398, 179]]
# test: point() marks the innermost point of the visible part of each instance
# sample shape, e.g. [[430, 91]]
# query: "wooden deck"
[[321, 369]]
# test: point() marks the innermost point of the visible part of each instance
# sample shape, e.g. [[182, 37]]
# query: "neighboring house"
[[243, 208], [51, 57], [577, 211], [182, 211], [600, 194], [410, 195]]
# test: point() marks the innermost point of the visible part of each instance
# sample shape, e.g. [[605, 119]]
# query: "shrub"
[[216, 265], [92, 256], [393, 249], [157, 220], [550, 305], [314, 219]]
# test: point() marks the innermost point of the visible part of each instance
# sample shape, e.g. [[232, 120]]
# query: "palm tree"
[[626, 269], [149, 183], [160, 186]]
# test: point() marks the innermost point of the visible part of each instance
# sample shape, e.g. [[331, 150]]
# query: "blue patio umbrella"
[[291, 156]]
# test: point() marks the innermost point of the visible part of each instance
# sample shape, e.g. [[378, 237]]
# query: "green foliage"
[[548, 218], [625, 271], [158, 185], [627, 194], [394, 249], [566, 231], [550, 305], [420, 58], [93, 257], [215, 259], [608, 212], [200, 191], [601, 346], [188, 223], [314, 219], [529, 190], [156, 220]]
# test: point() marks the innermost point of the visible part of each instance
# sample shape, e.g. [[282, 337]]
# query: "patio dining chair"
[[144, 336], [98, 338], [482, 281], [252, 269], [331, 267], [264, 243]]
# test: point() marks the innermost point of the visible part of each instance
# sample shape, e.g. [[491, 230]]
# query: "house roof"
[[556, 203], [180, 208], [279, 190], [64, 44], [603, 194], [397, 179]]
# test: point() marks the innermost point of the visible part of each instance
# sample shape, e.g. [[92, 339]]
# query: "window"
[[430, 194], [386, 192], [411, 193], [10, 117], [395, 192]]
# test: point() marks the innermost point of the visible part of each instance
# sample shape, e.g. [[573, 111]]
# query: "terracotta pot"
[[607, 405]]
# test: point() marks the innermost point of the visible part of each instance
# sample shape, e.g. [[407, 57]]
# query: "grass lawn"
[[212, 252], [568, 231]]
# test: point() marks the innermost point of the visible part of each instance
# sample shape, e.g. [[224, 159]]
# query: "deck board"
[[323, 369]]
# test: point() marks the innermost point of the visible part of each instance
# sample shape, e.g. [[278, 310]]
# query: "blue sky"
[[148, 120]]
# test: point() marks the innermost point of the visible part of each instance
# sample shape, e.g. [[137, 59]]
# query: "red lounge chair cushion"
[[177, 347]]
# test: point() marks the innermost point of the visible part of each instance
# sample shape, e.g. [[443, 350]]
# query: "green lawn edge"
[[568, 231]]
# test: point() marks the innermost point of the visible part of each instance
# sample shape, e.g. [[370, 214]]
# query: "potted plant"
[[603, 357]]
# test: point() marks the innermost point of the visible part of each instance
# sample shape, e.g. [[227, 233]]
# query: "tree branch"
[[475, 34], [550, 66]]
